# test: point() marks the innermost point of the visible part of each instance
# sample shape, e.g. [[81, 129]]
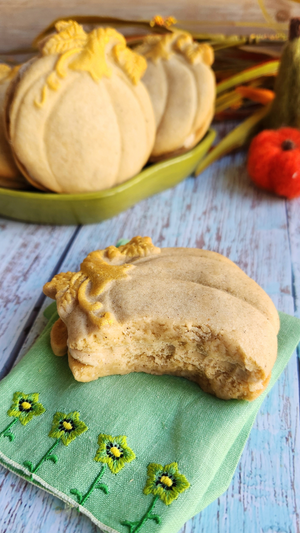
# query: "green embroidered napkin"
[[136, 452]]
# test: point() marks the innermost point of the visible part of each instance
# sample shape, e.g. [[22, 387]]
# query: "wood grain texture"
[[22, 20], [293, 210], [220, 210], [28, 254]]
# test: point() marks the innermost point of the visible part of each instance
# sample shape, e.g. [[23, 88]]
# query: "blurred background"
[[21, 20]]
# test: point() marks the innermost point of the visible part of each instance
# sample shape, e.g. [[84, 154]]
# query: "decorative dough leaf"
[[133, 64], [70, 35]]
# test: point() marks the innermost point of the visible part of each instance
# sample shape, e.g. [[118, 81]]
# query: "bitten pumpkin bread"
[[180, 311], [181, 85], [79, 118], [9, 173]]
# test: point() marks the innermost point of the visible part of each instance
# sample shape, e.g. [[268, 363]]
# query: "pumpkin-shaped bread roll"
[[79, 118], [9, 173], [180, 311], [181, 85]]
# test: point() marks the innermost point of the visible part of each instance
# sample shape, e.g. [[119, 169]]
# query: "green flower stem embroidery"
[[95, 485], [136, 526], [114, 453], [65, 428], [23, 408], [6, 432], [164, 482], [47, 457]]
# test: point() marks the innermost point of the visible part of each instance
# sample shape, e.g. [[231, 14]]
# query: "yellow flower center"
[[115, 451], [67, 425], [26, 405], [166, 481]]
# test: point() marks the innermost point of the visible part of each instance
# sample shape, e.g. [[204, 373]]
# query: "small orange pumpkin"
[[274, 161]]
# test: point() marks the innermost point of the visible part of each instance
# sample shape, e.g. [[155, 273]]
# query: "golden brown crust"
[[59, 338], [83, 373]]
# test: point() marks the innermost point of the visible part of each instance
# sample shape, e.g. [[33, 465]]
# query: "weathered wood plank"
[[222, 211], [293, 210], [20, 22], [28, 256], [41, 512]]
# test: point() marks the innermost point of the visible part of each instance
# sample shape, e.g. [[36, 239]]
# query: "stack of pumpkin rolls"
[[89, 112]]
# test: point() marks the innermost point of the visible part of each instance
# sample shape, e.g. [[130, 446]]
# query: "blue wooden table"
[[221, 211]]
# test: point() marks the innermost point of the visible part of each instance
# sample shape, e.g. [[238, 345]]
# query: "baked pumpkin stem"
[[288, 145], [294, 32]]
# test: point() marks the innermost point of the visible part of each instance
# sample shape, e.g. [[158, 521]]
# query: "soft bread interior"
[[194, 353]]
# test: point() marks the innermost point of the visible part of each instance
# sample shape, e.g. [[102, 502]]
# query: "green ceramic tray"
[[88, 208]]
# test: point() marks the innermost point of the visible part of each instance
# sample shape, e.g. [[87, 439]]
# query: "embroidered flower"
[[114, 451], [165, 482], [25, 407], [67, 427]]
